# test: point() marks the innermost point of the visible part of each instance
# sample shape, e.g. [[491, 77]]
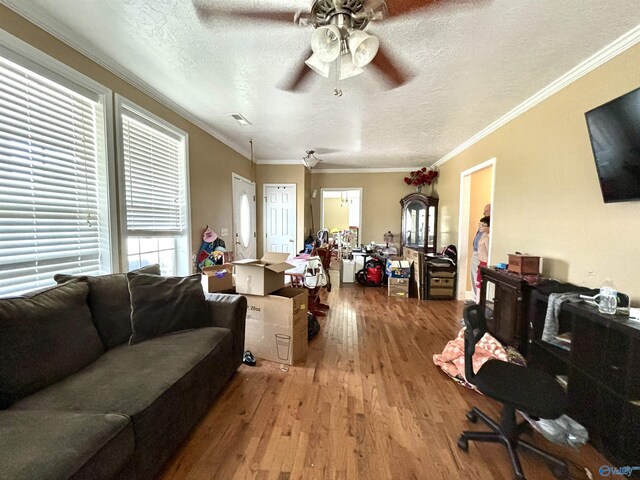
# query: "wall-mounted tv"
[[614, 129]]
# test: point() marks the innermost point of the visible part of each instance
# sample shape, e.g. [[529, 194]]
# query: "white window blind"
[[51, 196], [154, 170]]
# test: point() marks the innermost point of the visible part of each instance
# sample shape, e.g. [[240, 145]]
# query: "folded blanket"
[[451, 360]]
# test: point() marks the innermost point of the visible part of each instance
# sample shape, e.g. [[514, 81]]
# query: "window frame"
[[35, 60], [122, 105]]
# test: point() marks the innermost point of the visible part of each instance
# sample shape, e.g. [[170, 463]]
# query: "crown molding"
[[56, 30], [279, 162], [615, 48], [363, 170]]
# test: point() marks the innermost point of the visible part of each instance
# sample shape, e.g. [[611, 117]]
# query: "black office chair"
[[517, 388]]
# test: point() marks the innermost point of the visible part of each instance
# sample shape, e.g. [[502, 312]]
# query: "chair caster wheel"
[[561, 472], [472, 417], [463, 444]]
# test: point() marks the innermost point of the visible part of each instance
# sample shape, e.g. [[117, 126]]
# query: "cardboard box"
[[399, 268], [276, 326], [217, 278], [524, 264], [398, 290], [261, 277], [417, 283]]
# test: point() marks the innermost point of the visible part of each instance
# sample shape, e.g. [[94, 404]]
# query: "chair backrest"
[[325, 255], [476, 326]]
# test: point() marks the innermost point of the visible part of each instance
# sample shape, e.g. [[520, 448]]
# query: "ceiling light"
[[363, 47], [310, 162], [326, 43], [347, 67], [240, 119], [318, 66]]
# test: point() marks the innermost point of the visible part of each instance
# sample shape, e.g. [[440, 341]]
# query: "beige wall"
[[381, 194], [547, 198], [210, 161], [336, 215], [281, 174], [479, 195]]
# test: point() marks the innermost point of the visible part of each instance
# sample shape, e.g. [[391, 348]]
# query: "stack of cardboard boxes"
[[399, 273], [276, 326]]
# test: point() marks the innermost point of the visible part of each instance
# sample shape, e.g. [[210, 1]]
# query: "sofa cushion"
[[45, 445], [110, 303], [44, 338], [161, 305], [164, 384]]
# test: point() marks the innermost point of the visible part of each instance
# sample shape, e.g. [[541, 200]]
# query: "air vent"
[[240, 119]]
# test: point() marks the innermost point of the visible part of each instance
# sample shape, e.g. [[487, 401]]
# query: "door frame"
[[255, 213], [463, 222], [295, 213], [344, 189]]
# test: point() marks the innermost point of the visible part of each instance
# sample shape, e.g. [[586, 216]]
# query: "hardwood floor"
[[368, 404]]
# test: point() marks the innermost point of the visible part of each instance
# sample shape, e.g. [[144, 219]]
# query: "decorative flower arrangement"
[[419, 178]]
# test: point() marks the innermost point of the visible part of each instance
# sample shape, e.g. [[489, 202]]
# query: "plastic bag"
[[563, 430]]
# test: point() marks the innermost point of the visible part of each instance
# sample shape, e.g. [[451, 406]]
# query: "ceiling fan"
[[339, 43]]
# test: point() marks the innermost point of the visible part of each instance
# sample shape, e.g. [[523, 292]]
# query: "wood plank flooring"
[[368, 404]]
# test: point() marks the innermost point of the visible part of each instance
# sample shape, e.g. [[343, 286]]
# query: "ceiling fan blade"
[[209, 12], [373, 10], [326, 151], [395, 75], [398, 8], [298, 79]]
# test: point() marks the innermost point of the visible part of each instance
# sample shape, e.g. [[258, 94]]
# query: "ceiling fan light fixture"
[[318, 66], [310, 162], [363, 47], [326, 42], [348, 68]]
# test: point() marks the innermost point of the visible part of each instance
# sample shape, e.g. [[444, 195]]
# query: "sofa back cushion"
[[44, 338], [161, 305], [110, 304]]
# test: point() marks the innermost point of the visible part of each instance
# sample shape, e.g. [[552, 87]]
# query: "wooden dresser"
[[508, 322]]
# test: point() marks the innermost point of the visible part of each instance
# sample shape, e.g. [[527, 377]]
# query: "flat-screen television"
[[614, 129]]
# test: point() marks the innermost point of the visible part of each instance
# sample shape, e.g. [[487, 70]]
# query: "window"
[[154, 165], [54, 199]]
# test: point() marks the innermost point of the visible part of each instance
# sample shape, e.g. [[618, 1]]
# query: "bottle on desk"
[[607, 299]]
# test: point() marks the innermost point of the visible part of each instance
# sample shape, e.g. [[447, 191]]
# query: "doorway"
[[280, 218], [244, 217], [341, 209], [477, 187]]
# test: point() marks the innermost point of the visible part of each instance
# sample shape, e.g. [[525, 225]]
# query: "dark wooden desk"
[[602, 370]]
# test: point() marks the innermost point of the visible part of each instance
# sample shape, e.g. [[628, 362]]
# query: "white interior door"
[[244, 217], [280, 218]]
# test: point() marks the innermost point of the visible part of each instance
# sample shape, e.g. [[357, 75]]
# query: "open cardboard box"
[[217, 278], [277, 327], [261, 277]]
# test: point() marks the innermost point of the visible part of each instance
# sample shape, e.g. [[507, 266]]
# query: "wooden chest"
[[524, 264]]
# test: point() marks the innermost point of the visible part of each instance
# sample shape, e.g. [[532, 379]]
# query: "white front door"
[[244, 217], [280, 218]]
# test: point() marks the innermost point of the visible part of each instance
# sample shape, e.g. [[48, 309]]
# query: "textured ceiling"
[[470, 61]]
